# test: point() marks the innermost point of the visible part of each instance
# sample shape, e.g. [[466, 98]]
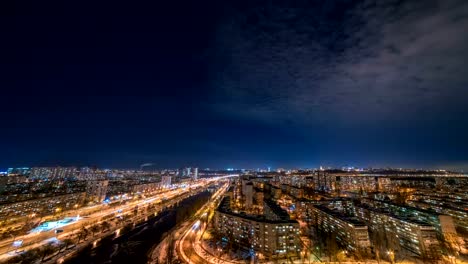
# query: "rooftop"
[[337, 214], [225, 207]]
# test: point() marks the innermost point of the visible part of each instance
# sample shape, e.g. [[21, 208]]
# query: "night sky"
[[234, 83]]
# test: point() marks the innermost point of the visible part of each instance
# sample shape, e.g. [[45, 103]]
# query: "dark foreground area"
[[135, 243]]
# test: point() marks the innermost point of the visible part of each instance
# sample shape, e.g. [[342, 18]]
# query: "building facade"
[[270, 236]]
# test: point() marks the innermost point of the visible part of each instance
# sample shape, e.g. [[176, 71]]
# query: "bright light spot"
[[18, 243], [46, 226], [52, 240]]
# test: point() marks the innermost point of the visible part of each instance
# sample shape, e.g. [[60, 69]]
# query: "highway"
[[118, 216], [190, 250], [188, 245]]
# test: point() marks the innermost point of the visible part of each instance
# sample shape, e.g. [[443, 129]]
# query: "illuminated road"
[[188, 246], [189, 243], [37, 239]]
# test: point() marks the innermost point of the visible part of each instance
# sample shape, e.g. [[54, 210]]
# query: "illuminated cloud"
[[342, 61]]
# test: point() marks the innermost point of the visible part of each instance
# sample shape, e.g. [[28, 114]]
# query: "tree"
[[30, 256], [94, 229], [127, 248], [47, 250], [170, 248], [332, 245], [105, 226], [61, 246], [14, 260], [82, 234], [126, 228], [67, 242]]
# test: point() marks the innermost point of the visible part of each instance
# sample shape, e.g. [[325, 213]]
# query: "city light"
[[262, 212]]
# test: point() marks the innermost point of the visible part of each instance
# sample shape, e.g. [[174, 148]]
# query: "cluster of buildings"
[[27, 193], [417, 214], [350, 232], [365, 214], [249, 218]]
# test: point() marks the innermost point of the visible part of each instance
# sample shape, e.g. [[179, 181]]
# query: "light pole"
[[391, 254], [77, 211], [57, 211], [30, 219]]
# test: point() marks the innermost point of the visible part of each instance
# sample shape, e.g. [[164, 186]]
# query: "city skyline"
[[155, 168], [236, 84], [82, 215], [234, 131]]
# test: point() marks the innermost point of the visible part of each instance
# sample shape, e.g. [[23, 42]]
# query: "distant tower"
[[195, 173]]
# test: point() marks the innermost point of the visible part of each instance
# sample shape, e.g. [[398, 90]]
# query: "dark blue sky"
[[235, 83]]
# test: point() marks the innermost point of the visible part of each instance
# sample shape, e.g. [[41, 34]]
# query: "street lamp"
[[57, 211], [391, 254]]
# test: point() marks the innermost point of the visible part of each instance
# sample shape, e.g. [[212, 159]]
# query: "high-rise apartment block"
[[96, 190]]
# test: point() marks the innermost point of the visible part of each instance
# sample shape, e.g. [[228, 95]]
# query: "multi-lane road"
[[133, 211], [188, 244], [37, 239]]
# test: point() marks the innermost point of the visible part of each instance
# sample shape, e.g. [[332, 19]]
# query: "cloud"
[[341, 61]]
